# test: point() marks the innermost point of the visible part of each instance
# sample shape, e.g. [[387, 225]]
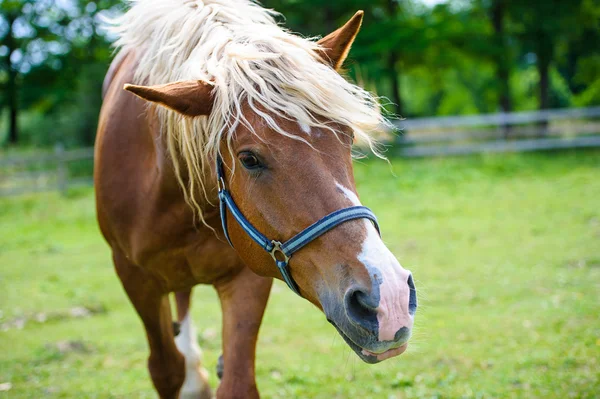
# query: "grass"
[[505, 250]]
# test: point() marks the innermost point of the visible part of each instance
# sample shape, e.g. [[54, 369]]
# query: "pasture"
[[505, 250]]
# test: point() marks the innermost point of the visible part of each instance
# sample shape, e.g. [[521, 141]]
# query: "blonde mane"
[[238, 46]]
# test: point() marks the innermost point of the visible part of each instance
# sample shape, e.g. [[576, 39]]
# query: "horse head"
[[283, 183]]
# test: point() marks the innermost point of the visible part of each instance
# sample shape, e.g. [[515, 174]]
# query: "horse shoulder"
[[126, 168]]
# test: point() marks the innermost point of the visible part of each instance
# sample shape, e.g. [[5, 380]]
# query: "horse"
[[227, 160]]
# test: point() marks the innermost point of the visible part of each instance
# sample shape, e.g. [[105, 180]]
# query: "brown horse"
[[235, 86]]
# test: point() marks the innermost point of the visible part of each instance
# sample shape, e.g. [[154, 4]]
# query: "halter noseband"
[[282, 252]]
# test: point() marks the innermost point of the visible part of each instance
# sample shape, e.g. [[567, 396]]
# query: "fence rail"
[[502, 146], [59, 155], [420, 137], [43, 171], [499, 119], [500, 132]]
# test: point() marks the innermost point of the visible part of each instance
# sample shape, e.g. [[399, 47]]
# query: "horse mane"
[[239, 47]]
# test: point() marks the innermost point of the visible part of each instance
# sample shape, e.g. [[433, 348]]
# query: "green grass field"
[[505, 250]]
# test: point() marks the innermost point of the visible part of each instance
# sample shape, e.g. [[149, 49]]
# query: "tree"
[[540, 25], [10, 46], [44, 47], [502, 60], [392, 61]]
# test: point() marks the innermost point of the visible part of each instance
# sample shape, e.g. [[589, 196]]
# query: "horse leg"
[[243, 301], [165, 364], [195, 385]]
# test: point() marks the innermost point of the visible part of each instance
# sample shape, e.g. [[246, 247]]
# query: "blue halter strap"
[[282, 252]]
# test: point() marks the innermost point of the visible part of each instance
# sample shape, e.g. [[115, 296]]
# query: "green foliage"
[[53, 60], [504, 250], [449, 55], [588, 77], [456, 57]]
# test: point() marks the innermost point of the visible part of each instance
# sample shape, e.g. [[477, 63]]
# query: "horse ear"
[[190, 97], [336, 45]]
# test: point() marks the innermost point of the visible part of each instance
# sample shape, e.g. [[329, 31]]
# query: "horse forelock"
[[238, 46]]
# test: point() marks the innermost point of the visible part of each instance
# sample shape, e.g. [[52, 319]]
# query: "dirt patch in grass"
[[76, 312]]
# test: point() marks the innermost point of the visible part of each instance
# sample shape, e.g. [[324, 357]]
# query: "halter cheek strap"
[[282, 252]]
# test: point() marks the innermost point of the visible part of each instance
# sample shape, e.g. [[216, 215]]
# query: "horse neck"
[[148, 139], [167, 176]]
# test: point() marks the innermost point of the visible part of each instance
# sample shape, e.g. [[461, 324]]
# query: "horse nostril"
[[412, 299], [360, 304]]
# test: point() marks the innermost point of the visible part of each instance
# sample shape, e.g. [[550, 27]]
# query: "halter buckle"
[[277, 249]]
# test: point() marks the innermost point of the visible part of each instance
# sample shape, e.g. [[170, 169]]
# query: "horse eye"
[[250, 161]]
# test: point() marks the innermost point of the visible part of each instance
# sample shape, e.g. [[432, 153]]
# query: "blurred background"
[[503, 240], [428, 57]]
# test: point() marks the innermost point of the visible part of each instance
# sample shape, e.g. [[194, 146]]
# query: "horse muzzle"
[[375, 323]]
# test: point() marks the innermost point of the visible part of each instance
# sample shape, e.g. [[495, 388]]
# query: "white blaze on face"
[[394, 292], [195, 376]]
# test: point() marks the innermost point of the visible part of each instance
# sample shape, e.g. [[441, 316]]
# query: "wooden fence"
[[519, 131], [47, 171], [440, 136]]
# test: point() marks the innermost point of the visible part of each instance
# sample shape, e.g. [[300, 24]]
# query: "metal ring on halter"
[[277, 249]]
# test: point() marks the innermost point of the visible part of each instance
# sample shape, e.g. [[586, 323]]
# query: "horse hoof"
[[220, 367]]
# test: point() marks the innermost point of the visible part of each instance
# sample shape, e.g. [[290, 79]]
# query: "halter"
[[282, 252]]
